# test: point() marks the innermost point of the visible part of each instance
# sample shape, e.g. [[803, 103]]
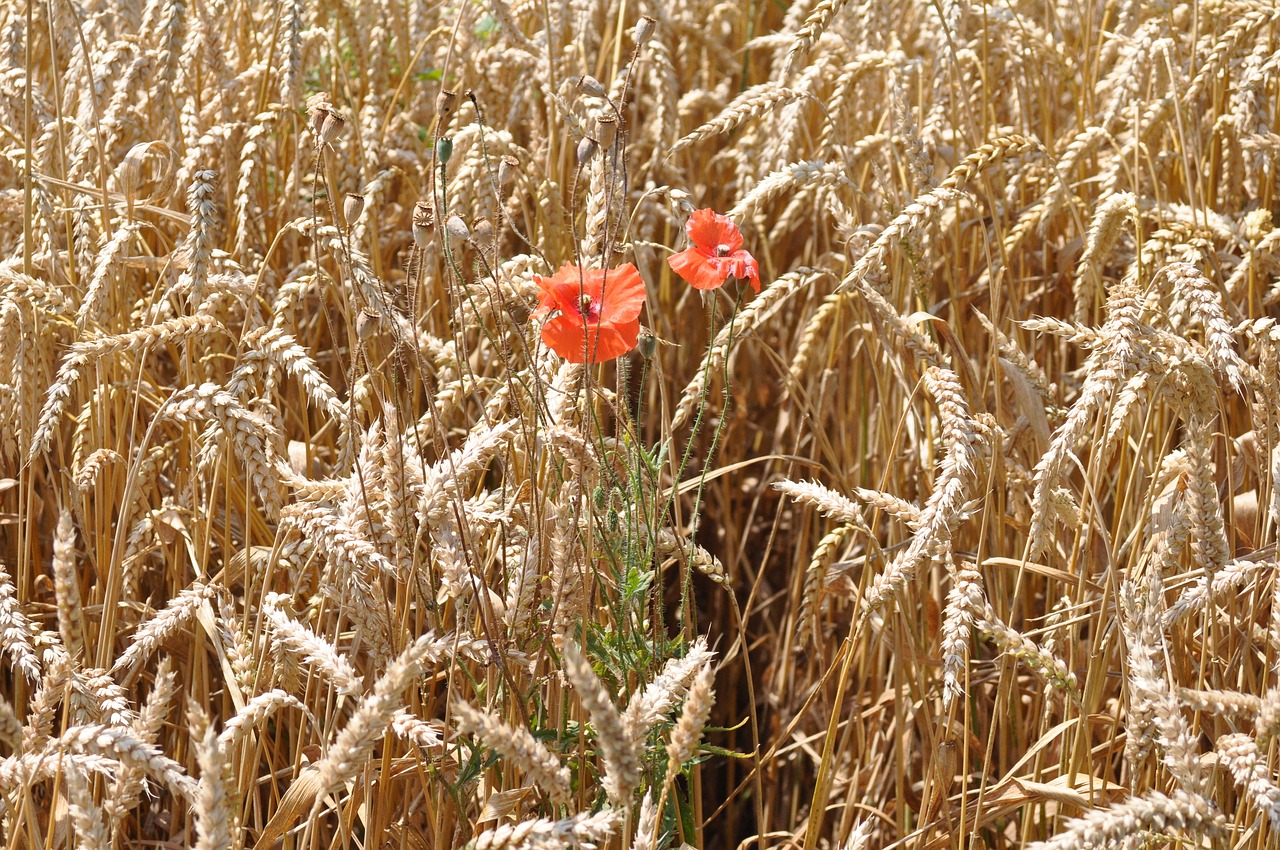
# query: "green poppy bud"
[[648, 345]]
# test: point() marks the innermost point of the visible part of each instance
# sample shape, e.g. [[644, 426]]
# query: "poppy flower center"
[[589, 308], [722, 250]]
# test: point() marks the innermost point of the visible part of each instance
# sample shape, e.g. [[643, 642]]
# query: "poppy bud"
[[643, 31], [424, 219], [586, 150], [607, 130], [352, 207], [591, 85], [444, 149], [446, 103], [648, 344], [507, 170]]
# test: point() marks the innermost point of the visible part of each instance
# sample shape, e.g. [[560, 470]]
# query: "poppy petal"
[[751, 270], [615, 339], [547, 299], [565, 337], [622, 294], [709, 230], [571, 283], [744, 267], [701, 271]]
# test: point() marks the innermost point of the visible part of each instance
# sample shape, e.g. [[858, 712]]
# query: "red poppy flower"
[[594, 315], [716, 253]]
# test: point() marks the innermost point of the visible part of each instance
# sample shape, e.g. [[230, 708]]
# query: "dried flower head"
[[424, 218]]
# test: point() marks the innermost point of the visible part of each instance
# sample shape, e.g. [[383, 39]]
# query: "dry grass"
[[962, 533]]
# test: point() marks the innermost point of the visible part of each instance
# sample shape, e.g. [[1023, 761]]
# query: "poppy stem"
[[740, 621], [726, 394], [669, 508]]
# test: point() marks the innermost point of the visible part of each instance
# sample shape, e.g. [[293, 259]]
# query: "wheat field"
[[372, 475]]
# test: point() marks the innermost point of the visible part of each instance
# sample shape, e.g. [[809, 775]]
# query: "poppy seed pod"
[[318, 106], [607, 130], [457, 230], [643, 31], [424, 218], [444, 149], [507, 170], [446, 103], [332, 127], [367, 325], [586, 150], [591, 85], [352, 207]]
